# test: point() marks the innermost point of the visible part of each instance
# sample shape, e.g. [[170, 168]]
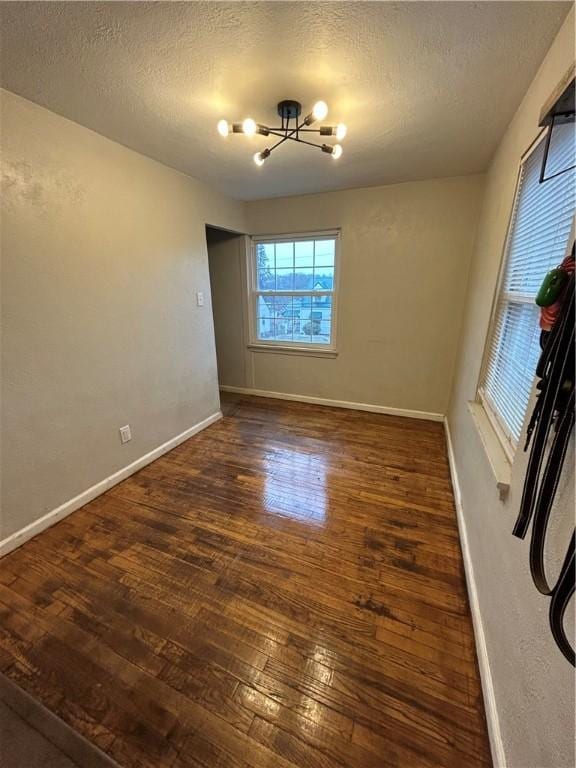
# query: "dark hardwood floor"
[[284, 589]]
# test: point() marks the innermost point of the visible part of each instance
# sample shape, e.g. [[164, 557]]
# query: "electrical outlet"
[[200, 299], [125, 434]]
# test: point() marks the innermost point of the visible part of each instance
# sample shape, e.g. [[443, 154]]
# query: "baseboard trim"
[[55, 515], [428, 416], [492, 719]]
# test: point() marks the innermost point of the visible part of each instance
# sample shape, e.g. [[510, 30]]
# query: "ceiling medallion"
[[290, 129]]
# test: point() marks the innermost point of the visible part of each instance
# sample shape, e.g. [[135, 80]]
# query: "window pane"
[[561, 154], [543, 217], [304, 278], [319, 330], [323, 278], [303, 304], [513, 362], [266, 281], [265, 266], [285, 279], [283, 327], [264, 306], [281, 305], [325, 327], [265, 253], [312, 327], [324, 253], [304, 253], [323, 303], [284, 318], [284, 255], [275, 319], [265, 328], [301, 317]]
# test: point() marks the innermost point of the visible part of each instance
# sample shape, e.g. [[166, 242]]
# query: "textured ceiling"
[[426, 88]]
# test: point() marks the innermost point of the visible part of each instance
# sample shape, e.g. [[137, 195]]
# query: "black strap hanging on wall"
[[554, 408], [561, 596]]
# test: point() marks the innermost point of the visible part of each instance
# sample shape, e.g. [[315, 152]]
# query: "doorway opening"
[[227, 265]]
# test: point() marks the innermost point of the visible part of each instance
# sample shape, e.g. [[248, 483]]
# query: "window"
[[537, 241], [293, 288]]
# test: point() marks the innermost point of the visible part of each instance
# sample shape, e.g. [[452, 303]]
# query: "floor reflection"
[[295, 485]]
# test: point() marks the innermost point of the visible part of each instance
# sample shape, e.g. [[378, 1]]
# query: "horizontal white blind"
[[539, 232]]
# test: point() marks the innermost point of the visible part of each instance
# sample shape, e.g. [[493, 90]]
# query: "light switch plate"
[[125, 434], [200, 299]]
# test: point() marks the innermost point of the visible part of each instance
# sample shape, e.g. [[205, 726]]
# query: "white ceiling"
[[426, 88]]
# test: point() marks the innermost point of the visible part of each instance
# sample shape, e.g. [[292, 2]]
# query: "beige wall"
[[226, 259], [534, 687], [405, 251], [102, 253]]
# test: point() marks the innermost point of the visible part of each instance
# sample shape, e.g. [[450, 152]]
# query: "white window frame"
[[314, 349], [502, 431]]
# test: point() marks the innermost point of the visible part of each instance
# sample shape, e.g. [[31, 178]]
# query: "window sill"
[[497, 458], [312, 352]]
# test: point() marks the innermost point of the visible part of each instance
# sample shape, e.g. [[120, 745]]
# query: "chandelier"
[[291, 129]]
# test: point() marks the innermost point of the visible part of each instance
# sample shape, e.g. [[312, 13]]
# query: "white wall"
[[102, 252], [405, 251], [534, 685]]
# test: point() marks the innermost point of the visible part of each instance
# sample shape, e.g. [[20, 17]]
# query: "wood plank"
[[284, 589]]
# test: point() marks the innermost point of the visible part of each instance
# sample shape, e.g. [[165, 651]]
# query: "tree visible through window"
[[294, 290]]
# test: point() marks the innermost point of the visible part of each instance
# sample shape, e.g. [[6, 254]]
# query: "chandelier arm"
[[293, 138], [288, 134], [274, 132], [279, 142], [303, 141], [300, 129]]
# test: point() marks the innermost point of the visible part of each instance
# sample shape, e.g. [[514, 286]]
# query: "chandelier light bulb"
[[223, 127], [320, 110], [341, 131], [249, 127], [260, 157], [336, 151]]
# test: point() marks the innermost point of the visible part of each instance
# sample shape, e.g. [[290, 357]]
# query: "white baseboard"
[[492, 719], [336, 403], [33, 529]]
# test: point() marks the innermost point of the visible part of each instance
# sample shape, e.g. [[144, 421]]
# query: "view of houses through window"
[[295, 290]]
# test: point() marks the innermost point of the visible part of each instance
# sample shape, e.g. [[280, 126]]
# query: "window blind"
[[541, 224]]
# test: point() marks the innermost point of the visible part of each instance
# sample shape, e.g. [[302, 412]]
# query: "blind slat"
[[541, 224]]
